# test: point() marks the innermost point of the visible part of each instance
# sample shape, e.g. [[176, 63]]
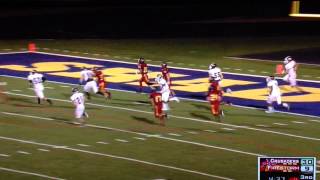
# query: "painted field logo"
[[187, 83]]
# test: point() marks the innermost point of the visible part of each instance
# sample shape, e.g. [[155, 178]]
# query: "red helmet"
[[164, 65], [141, 60]]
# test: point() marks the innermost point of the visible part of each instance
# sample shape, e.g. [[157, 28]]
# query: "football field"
[[122, 138]]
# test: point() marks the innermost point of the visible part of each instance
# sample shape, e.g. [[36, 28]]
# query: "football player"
[[143, 71], [166, 76], [156, 101], [215, 73], [36, 81], [274, 94], [291, 68], [86, 78], [101, 83], [165, 93], [215, 98], [78, 101]]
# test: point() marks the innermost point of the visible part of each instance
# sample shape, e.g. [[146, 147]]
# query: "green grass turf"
[[193, 53], [166, 150]]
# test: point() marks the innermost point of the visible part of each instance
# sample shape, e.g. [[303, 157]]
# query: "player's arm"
[[295, 67], [221, 75], [145, 69], [43, 79], [270, 90]]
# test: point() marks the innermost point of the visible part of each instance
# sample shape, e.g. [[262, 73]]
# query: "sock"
[[88, 95], [39, 100], [49, 101]]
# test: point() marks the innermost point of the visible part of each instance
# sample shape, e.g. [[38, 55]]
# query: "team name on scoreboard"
[[286, 168]]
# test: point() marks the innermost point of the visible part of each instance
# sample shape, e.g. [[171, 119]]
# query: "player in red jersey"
[[215, 97], [156, 101], [166, 76], [101, 83], [143, 70]]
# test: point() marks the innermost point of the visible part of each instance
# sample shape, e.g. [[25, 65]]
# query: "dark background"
[[152, 18]]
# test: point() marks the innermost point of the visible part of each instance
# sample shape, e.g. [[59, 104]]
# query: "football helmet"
[[287, 59], [74, 90], [212, 65], [141, 60], [164, 65], [268, 79], [158, 78]]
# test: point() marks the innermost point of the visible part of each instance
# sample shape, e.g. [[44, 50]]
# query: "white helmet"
[[269, 78], [212, 65], [287, 59], [158, 78]]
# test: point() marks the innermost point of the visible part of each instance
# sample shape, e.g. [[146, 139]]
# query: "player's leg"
[[102, 89], [41, 97], [270, 106], [279, 102], [140, 83], [161, 115], [286, 78], [79, 112], [86, 90]]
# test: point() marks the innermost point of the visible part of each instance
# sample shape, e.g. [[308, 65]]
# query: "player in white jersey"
[[165, 93], [86, 78], [78, 100], [215, 73], [274, 94], [290, 66], [36, 82]]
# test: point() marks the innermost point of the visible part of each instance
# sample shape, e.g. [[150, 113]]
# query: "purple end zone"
[[26, 59]]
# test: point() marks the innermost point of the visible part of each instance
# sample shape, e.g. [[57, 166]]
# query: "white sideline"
[[186, 118], [112, 156], [29, 173], [189, 99], [144, 134]]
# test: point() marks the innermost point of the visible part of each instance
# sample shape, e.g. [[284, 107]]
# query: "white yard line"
[[4, 155], [174, 134], [65, 86], [208, 130], [29, 173], [314, 120], [121, 140], [228, 129], [83, 145], [186, 118], [16, 90], [23, 152], [44, 150], [101, 142], [280, 124], [147, 135], [262, 125], [192, 132], [298, 122], [112, 156], [140, 138], [49, 87]]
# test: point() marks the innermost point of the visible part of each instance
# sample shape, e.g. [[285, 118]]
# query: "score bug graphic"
[[286, 168]]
